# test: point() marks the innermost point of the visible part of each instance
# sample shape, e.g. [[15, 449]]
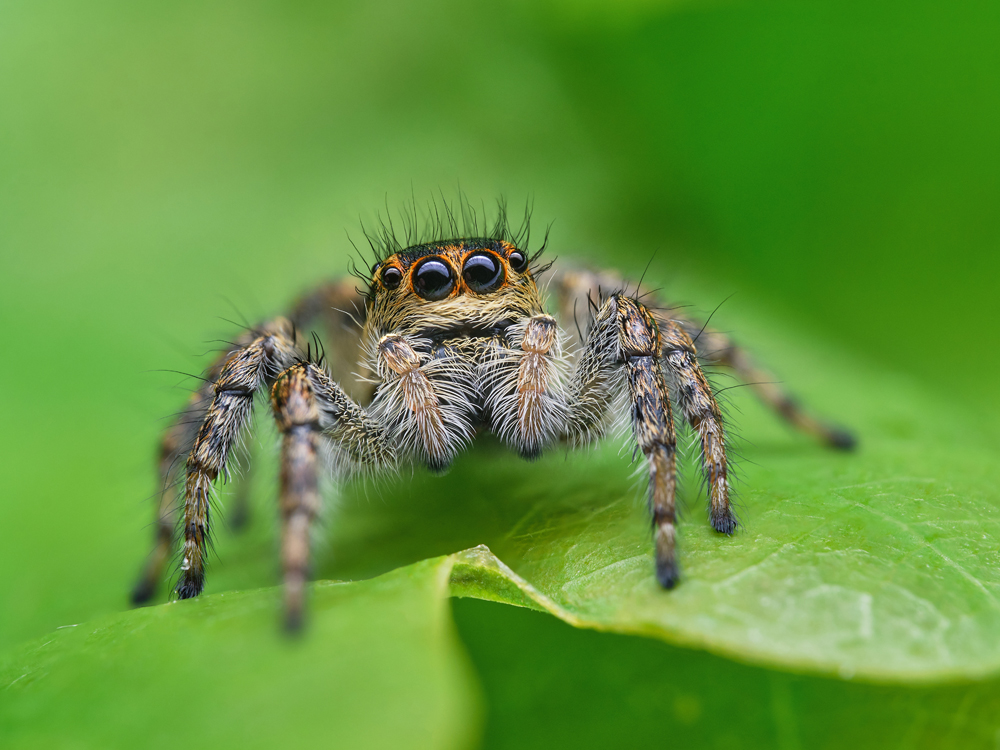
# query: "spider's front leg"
[[244, 374], [623, 352], [297, 415], [330, 304], [308, 408]]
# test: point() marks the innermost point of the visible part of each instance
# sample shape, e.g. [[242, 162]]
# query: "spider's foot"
[[239, 519], [841, 439], [143, 591], [724, 521], [667, 571], [293, 621], [189, 589], [294, 604], [668, 574]]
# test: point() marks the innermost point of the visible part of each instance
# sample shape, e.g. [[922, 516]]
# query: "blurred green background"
[[836, 163]]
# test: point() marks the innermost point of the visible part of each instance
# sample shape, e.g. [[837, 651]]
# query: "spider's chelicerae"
[[453, 338]]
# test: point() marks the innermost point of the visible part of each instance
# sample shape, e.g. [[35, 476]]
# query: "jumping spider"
[[454, 338]]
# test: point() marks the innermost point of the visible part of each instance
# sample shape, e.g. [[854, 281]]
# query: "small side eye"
[[391, 277], [517, 261], [432, 279], [482, 273]]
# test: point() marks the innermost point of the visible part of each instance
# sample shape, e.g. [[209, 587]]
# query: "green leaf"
[[379, 666], [551, 685]]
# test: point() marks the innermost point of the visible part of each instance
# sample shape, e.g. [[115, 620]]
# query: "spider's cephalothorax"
[[455, 340]]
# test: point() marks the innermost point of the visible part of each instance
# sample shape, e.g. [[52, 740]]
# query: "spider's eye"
[[391, 277], [482, 273], [517, 261], [432, 279]]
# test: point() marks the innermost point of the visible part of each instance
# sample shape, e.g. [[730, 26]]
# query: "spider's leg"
[[717, 348], [297, 415], [245, 373], [574, 287], [176, 442], [623, 354], [174, 446], [339, 307], [693, 396], [309, 405], [337, 310]]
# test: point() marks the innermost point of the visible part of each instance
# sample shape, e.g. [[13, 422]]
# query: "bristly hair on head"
[[443, 222]]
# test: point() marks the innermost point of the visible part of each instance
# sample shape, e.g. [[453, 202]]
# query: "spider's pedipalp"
[[524, 386], [425, 398]]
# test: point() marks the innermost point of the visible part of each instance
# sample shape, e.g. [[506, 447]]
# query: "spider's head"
[[451, 283]]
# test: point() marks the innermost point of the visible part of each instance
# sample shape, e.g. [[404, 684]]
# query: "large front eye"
[[432, 279], [482, 273]]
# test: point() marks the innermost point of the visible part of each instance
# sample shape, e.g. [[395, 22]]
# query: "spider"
[[453, 338]]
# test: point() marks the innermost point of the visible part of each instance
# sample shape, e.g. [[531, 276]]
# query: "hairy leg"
[[358, 439], [175, 445], [245, 373], [623, 353], [574, 286], [693, 396], [717, 348], [338, 308], [297, 415], [308, 408], [176, 442]]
